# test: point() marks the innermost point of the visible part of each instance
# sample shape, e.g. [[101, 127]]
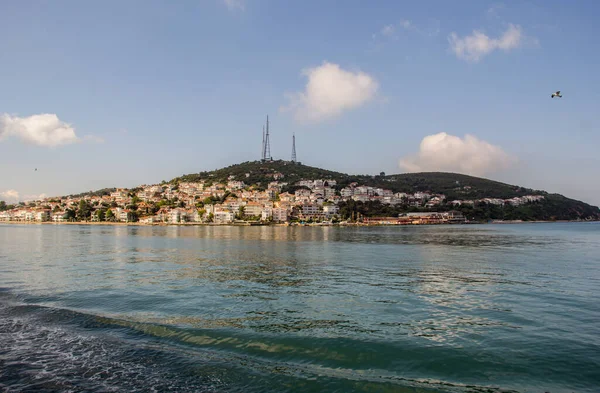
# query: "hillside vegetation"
[[452, 185]]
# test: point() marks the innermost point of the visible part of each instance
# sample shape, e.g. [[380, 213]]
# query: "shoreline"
[[191, 224]]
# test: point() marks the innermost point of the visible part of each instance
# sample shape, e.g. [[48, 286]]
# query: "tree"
[[132, 216], [3, 206], [382, 174], [240, 214], [110, 216], [210, 217], [70, 214], [100, 213], [84, 210]]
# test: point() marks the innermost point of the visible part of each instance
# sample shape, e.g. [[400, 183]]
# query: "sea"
[[446, 308]]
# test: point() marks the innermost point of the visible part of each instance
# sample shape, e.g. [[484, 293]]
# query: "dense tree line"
[[552, 208]]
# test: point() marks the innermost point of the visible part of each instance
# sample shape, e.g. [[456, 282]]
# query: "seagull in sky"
[[557, 94]]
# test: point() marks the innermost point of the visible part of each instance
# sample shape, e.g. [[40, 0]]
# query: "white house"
[[42, 215], [280, 214], [331, 210], [266, 214], [224, 216], [253, 209]]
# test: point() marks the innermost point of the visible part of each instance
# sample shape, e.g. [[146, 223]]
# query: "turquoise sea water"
[[472, 308]]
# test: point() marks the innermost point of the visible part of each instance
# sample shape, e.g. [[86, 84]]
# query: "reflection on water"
[[494, 305]]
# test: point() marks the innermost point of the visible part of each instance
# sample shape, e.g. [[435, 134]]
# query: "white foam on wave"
[[50, 357]]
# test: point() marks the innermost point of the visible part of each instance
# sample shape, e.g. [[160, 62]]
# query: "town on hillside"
[[235, 202]]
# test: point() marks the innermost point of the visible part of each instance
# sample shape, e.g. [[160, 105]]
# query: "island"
[[289, 193]]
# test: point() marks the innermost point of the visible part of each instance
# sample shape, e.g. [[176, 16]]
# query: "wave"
[[53, 349]]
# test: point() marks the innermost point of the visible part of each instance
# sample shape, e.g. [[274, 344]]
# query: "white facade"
[[224, 217], [253, 209], [280, 214], [43, 215], [308, 210], [266, 214], [331, 210]]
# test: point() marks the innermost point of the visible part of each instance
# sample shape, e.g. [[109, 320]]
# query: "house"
[[454, 216], [331, 210], [286, 197], [124, 215], [119, 195], [435, 201], [272, 193], [235, 185], [280, 214], [360, 197], [347, 192], [253, 209], [266, 214], [310, 209], [59, 216], [302, 193], [176, 216], [224, 216], [149, 219]]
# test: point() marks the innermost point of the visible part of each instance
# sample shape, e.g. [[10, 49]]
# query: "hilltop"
[[453, 185]]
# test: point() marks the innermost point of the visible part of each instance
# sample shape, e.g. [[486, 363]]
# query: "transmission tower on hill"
[[294, 148], [266, 150]]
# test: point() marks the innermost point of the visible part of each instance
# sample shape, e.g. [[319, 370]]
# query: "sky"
[[124, 93]]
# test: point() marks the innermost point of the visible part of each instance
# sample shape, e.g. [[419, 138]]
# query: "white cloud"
[[388, 30], [43, 130], [477, 45], [406, 24], [234, 5], [449, 153], [29, 198], [10, 196], [330, 91]]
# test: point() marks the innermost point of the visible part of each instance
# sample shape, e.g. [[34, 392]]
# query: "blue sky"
[[140, 91]]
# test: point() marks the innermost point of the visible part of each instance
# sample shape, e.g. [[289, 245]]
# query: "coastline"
[[189, 224]]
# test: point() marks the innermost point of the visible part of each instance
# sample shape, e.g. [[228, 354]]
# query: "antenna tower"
[[267, 145], [294, 148]]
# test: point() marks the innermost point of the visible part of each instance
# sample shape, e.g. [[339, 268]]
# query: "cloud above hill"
[[42, 130], [330, 91], [449, 153], [474, 47], [9, 196]]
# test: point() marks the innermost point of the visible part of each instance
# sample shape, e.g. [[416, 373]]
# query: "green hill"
[[453, 185]]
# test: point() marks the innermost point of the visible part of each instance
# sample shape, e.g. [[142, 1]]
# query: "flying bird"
[[557, 94]]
